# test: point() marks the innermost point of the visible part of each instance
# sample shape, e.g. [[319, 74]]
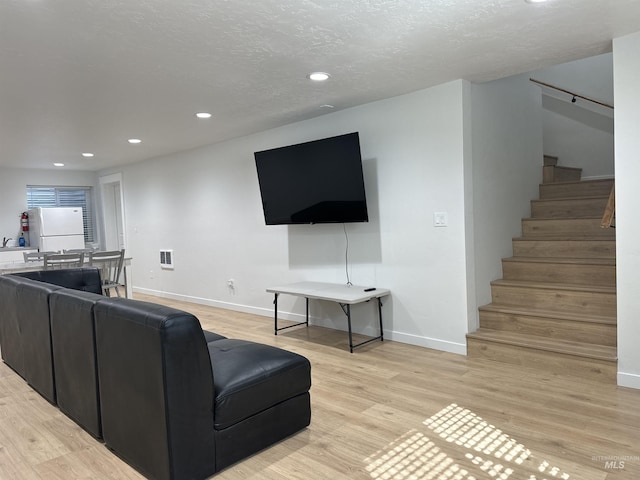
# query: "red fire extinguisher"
[[24, 221]]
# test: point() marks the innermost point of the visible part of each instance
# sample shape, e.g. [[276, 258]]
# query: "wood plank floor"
[[388, 411]]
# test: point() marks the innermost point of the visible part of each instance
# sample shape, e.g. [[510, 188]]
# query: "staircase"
[[555, 307]]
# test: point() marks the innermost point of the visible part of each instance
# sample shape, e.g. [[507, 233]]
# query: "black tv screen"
[[313, 182]]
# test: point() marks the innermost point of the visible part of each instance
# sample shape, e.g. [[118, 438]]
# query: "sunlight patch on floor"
[[471, 447]]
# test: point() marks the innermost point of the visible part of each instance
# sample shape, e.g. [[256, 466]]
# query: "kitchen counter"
[[14, 254]]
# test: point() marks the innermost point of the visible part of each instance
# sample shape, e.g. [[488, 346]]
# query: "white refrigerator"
[[56, 229]]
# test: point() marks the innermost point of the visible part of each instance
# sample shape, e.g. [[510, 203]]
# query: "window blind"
[[43, 196]]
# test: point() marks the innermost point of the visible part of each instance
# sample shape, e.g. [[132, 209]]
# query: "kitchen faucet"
[[5, 240]]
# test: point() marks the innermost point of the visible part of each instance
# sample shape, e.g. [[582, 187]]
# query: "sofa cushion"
[[10, 331], [35, 328], [212, 337], [250, 377], [74, 356]]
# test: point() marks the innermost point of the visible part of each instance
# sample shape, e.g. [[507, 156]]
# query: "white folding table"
[[344, 295]]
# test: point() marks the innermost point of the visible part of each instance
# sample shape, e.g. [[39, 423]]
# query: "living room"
[[472, 150]]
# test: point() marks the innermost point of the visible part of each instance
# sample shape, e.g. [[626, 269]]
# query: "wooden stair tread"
[[569, 182], [553, 314], [561, 167], [570, 199], [587, 226], [573, 187], [554, 286], [538, 219], [537, 236], [563, 238], [565, 347], [568, 261]]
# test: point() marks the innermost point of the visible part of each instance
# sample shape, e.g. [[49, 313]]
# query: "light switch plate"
[[440, 219]]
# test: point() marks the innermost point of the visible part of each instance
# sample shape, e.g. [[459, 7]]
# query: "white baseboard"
[[628, 380], [265, 312], [433, 343]]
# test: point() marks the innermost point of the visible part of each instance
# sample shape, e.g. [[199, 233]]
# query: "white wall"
[[205, 205], [13, 185], [627, 143], [591, 77], [577, 144], [580, 134], [506, 118]]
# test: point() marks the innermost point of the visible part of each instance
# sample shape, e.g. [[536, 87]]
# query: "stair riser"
[[555, 363], [565, 249], [580, 274], [552, 174], [594, 188], [559, 328], [589, 227], [592, 207], [587, 302]]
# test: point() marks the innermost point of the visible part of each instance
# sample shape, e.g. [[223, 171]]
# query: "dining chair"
[[63, 260], [35, 256], [86, 251], [110, 264]]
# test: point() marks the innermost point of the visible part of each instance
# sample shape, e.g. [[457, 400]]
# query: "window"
[[38, 196]]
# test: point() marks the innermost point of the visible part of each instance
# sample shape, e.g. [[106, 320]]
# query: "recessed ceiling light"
[[58, 164], [319, 76], [134, 140], [203, 115], [87, 154]]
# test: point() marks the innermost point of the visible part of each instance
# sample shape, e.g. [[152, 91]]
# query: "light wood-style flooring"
[[387, 411]]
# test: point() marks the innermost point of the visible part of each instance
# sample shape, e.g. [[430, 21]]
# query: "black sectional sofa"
[[172, 400]]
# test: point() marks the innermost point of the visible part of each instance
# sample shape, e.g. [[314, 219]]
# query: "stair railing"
[[609, 210], [573, 95]]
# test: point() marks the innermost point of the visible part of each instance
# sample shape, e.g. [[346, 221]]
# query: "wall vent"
[[166, 259]]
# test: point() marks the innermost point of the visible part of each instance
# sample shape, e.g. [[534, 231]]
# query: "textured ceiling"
[[86, 75]]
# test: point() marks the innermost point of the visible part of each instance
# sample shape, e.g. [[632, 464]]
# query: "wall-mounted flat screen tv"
[[313, 182]]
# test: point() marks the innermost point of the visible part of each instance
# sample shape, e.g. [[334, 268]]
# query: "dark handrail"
[[574, 95]]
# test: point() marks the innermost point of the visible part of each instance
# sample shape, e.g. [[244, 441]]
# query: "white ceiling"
[[86, 75]]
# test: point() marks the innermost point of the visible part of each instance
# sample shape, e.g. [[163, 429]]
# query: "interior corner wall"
[[472, 304], [13, 185], [579, 145], [506, 119], [205, 205], [580, 134], [627, 143]]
